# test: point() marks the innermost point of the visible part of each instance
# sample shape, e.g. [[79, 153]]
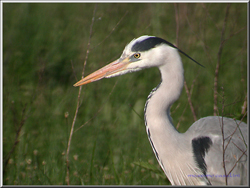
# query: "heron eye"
[[137, 55]]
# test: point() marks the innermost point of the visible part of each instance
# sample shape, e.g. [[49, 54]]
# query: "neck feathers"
[[167, 92]]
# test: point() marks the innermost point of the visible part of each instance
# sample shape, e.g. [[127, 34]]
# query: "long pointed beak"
[[106, 71]]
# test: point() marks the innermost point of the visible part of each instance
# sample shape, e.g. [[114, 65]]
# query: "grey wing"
[[235, 149]]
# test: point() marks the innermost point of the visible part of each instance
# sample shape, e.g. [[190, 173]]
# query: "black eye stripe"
[[149, 43], [152, 42]]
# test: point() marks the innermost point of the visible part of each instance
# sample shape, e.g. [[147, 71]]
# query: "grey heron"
[[196, 156]]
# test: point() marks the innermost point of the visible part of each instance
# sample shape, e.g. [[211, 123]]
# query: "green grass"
[[41, 42]]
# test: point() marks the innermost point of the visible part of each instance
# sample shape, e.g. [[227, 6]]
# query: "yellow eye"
[[137, 55]]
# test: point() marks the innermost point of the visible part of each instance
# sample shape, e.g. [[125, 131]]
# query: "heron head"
[[143, 52]]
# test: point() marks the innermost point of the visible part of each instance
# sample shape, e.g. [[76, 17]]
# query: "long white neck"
[[157, 109], [161, 132]]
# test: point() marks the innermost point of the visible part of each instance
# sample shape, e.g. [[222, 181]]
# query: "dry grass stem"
[[112, 30], [180, 118], [222, 41], [23, 119], [78, 100], [99, 110], [190, 101], [80, 88]]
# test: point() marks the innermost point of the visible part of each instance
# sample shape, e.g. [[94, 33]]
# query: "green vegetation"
[[44, 49]]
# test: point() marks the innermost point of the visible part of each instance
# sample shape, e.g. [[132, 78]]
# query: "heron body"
[[196, 156]]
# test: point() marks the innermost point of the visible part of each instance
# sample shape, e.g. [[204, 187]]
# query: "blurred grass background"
[[44, 48]]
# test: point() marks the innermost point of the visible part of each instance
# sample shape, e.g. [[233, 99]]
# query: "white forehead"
[[129, 46]]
